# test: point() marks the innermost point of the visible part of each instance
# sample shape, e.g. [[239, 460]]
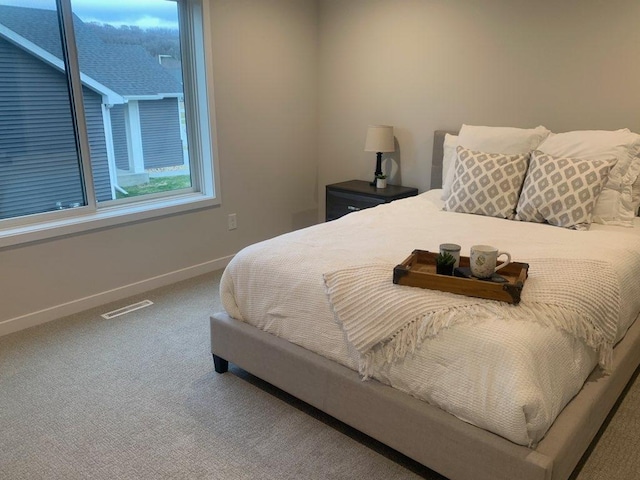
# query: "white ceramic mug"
[[483, 260]]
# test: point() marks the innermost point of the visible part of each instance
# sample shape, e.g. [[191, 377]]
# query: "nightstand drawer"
[[341, 203], [354, 195]]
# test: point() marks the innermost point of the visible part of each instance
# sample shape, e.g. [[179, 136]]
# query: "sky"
[[141, 13]]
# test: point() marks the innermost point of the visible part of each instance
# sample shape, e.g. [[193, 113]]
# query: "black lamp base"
[[378, 168]]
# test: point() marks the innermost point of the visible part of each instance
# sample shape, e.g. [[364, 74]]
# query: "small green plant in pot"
[[381, 181], [444, 263]]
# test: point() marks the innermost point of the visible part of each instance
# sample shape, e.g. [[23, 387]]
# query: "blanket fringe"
[[428, 325]]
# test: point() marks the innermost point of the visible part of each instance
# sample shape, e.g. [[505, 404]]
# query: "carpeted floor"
[[136, 397]]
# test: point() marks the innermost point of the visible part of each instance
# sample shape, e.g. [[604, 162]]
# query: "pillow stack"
[[615, 205], [568, 179], [505, 140]]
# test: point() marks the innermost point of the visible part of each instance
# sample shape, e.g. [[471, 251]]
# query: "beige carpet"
[[136, 397]]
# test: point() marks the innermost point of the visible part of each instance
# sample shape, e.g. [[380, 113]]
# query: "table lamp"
[[379, 140]]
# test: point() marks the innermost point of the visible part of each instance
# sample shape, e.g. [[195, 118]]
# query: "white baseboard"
[[58, 311]]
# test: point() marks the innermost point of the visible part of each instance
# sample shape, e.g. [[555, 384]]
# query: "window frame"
[[195, 38]]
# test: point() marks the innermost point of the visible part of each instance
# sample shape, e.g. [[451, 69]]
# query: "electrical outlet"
[[232, 221]]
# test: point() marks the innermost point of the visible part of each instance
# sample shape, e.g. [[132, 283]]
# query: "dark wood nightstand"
[[354, 195]]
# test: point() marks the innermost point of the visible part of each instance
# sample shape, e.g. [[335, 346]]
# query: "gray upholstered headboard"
[[436, 159]]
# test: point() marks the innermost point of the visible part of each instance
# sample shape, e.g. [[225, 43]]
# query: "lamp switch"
[[232, 221]]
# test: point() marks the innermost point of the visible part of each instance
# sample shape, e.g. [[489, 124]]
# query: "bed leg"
[[220, 364]]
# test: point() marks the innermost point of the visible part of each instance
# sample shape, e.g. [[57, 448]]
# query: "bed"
[[283, 325]]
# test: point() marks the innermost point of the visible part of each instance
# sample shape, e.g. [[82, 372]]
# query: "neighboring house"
[[132, 109]]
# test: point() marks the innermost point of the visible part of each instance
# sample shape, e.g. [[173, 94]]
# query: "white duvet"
[[509, 377]]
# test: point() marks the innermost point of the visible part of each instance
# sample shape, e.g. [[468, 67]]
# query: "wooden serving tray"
[[419, 270]]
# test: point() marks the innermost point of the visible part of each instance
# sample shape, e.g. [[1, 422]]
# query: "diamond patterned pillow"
[[486, 183], [562, 191]]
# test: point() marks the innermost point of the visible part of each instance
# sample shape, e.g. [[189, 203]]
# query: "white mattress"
[[511, 378]]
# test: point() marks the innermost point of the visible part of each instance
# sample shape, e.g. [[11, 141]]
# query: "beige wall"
[[265, 61], [423, 65]]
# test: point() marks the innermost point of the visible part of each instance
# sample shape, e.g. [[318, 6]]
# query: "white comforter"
[[509, 377]]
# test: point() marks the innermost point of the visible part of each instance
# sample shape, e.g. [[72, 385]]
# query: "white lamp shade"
[[379, 139]]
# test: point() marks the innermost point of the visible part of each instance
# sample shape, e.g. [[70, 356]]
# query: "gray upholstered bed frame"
[[423, 432]]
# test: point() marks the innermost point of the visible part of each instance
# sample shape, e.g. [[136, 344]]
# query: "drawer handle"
[[352, 208]]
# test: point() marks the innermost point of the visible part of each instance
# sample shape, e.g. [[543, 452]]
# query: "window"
[[104, 114]]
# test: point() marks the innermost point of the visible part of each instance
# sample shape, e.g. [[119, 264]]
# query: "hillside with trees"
[[157, 41]]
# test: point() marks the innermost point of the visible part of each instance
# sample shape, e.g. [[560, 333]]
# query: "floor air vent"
[[129, 308]]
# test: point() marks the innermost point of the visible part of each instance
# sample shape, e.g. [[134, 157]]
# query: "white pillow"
[[635, 187], [448, 162], [635, 191], [615, 204], [507, 140]]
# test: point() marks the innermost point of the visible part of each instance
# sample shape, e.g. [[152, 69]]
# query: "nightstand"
[[354, 195]]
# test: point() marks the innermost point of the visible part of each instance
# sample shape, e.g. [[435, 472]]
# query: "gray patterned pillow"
[[486, 183], [562, 191]]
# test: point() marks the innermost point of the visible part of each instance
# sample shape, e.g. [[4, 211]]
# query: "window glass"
[[40, 169], [101, 106], [130, 58]]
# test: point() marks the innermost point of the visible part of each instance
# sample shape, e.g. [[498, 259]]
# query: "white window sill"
[[105, 217]]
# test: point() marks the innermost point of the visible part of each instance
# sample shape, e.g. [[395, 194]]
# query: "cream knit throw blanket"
[[384, 321]]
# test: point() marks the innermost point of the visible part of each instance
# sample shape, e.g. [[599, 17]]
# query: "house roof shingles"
[[126, 69]]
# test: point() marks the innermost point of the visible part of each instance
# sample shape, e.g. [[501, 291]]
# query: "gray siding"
[[160, 127], [38, 158], [97, 143]]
